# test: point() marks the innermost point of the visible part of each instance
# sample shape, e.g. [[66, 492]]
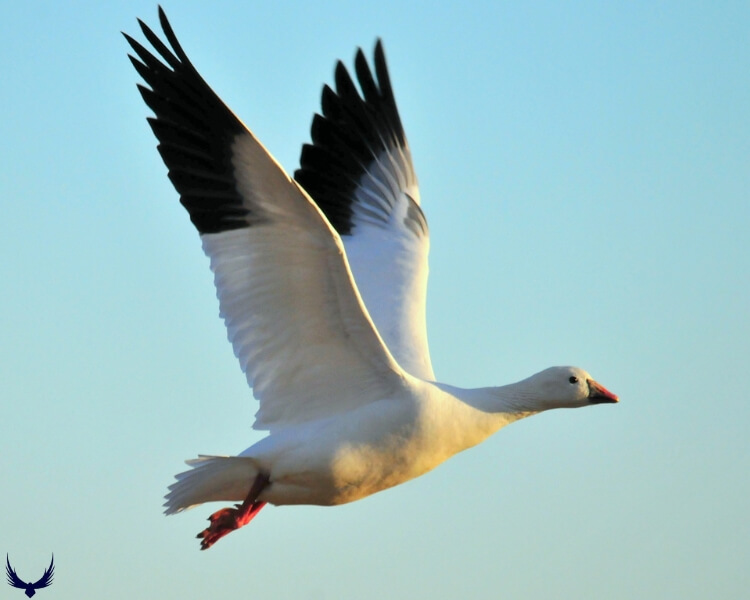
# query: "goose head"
[[567, 387]]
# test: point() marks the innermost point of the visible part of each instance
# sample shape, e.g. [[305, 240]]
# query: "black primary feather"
[[352, 130], [195, 130]]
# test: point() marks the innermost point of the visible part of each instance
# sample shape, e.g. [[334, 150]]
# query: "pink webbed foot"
[[226, 520]]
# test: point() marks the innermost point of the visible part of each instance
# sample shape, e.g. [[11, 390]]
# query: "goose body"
[[374, 447], [321, 282]]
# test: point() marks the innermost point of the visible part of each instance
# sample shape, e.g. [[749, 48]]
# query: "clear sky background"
[[585, 170]]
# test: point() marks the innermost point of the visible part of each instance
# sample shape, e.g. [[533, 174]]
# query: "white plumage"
[[322, 281]]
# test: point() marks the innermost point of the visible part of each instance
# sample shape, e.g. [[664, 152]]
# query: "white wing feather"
[[388, 255], [292, 311]]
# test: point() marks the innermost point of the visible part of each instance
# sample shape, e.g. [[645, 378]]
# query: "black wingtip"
[[195, 130], [358, 121], [172, 38]]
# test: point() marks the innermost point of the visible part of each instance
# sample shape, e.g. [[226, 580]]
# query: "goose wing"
[[294, 316], [359, 171]]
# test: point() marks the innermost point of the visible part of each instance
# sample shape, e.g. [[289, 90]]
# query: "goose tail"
[[210, 479]]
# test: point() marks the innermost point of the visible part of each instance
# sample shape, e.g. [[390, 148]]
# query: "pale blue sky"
[[585, 170]]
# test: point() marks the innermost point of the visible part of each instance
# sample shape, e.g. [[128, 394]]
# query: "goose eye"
[[573, 379]]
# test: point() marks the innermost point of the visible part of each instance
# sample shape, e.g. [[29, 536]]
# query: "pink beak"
[[598, 394]]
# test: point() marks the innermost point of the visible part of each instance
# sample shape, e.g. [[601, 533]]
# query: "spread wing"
[[294, 316], [359, 171], [46, 579], [13, 579]]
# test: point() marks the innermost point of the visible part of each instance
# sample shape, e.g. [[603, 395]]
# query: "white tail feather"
[[211, 479]]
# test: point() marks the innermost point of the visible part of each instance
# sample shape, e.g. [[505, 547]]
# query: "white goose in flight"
[[321, 281]]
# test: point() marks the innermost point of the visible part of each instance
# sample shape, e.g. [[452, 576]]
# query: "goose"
[[321, 281]]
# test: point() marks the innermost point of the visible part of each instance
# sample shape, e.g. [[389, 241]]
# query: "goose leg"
[[226, 520]]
